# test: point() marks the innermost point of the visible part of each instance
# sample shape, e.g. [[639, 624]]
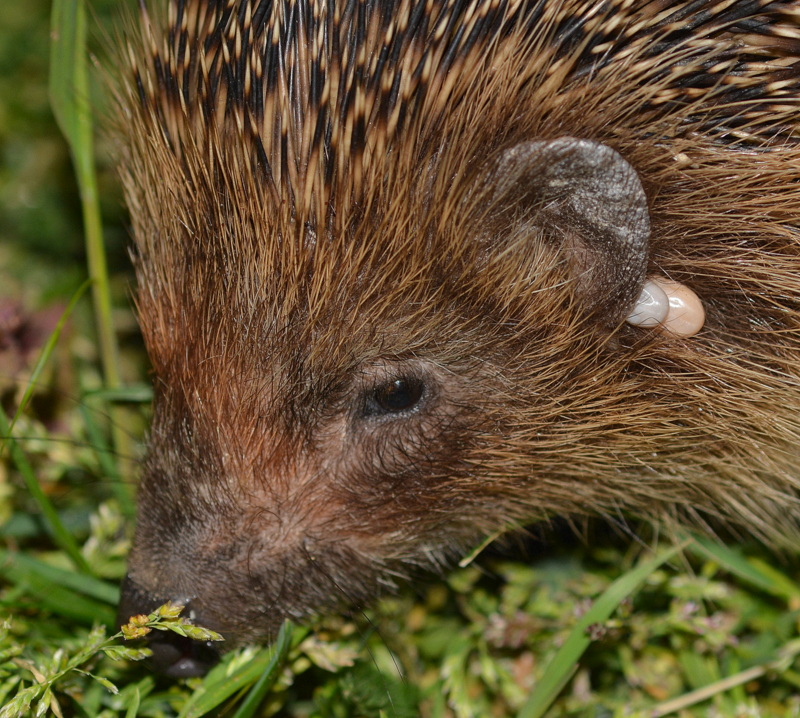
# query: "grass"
[[600, 628]]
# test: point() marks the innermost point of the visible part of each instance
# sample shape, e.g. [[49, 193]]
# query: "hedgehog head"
[[385, 253]]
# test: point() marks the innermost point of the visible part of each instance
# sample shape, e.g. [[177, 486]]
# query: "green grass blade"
[[564, 663], [57, 599], [133, 706], [100, 447], [761, 576], [86, 585], [52, 520], [264, 684], [107, 458], [262, 671], [68, 72], [69, 98]]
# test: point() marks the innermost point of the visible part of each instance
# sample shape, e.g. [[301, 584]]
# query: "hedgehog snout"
[[172, 655]]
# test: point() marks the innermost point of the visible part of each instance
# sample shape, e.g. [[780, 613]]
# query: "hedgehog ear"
[[586, 196]]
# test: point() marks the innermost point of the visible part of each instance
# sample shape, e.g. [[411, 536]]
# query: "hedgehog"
[[415, 272]]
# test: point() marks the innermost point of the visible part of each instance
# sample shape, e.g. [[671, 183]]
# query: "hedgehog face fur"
[[385, 251]]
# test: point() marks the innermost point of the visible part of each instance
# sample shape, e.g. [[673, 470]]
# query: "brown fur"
[[311, 222]]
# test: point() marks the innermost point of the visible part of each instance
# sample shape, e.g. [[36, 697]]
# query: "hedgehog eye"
[[396, 396]]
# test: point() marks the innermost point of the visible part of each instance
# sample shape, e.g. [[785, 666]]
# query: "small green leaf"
[[198, 633], [19, 705], [124, 653], [44, 703], [104, 682]]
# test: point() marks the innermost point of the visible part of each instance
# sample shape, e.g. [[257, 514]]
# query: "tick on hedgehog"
[[412, 272]]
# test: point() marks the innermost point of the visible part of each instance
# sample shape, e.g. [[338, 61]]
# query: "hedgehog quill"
[[410, 273]]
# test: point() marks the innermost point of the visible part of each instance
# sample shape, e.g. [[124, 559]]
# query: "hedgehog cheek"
[[670, 305], [585, 196]]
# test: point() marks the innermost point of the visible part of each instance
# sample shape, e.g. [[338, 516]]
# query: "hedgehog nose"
[[173, 655]]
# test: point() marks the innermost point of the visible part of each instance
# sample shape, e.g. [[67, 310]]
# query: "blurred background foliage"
[[40, 222]]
